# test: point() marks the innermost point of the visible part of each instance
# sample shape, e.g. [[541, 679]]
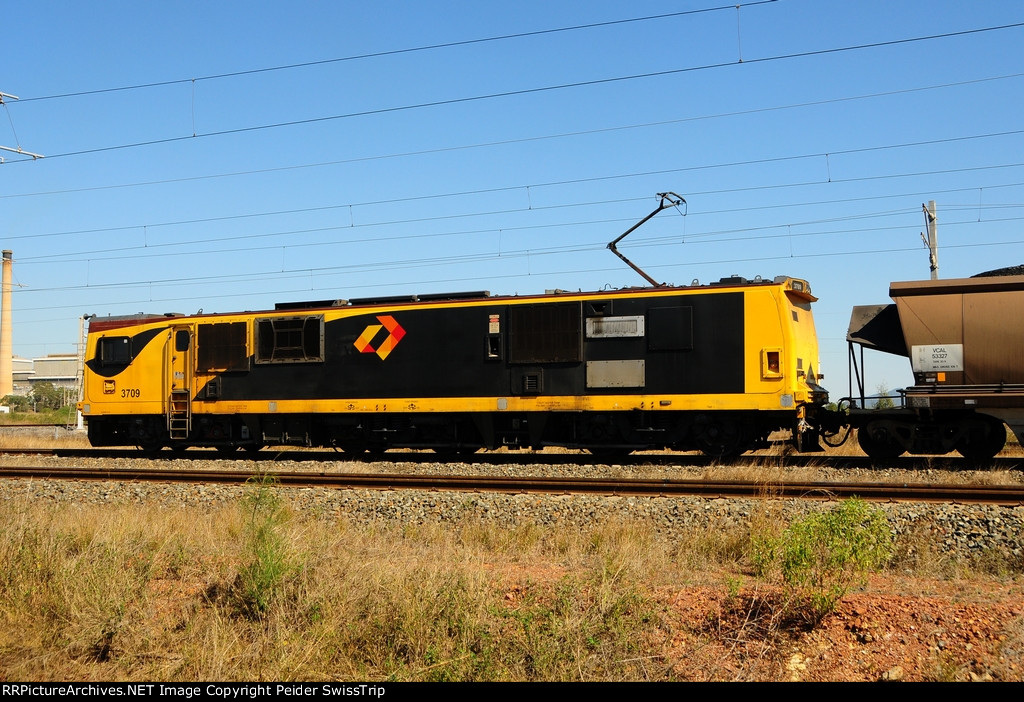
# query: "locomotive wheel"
[[876, 441], [719, 439], [984, 440]]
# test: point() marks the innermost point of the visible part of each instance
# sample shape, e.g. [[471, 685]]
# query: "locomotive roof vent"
[[309, 304], [428, 297], [137, 317], [732, 280], [383, 300], [465, 295]]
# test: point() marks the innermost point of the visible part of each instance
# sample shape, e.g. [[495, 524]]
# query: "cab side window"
[[115, 350]]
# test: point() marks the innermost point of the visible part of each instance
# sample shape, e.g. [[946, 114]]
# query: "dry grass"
[[132, 594], [255, 592], [41, 437], [126, 593]]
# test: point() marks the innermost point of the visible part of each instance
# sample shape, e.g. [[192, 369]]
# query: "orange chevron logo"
[[395, 333]]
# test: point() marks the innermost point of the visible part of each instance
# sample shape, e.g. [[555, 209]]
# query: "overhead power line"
[[495, 277], [537, 90], [415, 263], [577, 181], [397, 52], [506, 142], [162, 250]]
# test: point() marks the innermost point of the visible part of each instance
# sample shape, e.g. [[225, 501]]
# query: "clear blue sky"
[[804, 134]]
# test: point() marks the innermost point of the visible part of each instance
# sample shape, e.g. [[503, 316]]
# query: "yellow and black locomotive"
[[715, 368]]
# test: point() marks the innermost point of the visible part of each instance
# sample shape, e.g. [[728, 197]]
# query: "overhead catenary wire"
[[150, 248], [530, 91], [323, 272], [575, 181], [159, 249], [421, 262], [396, 52], [522, 140]]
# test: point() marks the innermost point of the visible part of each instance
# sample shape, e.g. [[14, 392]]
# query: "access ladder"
[[179, 414]]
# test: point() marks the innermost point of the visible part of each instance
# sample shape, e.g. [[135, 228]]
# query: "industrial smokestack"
[[6, 361]]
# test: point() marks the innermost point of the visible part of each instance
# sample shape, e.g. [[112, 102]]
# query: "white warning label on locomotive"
[[944, 357]]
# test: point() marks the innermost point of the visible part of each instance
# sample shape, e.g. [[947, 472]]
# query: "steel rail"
[[950, 462], [662, 487]]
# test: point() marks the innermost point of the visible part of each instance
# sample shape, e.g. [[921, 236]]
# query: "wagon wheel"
[[878, 443], [984, 439]]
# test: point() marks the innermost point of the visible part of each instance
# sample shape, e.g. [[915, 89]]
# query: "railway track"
[[886, 492], [952, 463]]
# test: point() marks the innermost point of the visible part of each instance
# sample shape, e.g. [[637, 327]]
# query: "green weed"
[[266, 562], [822, 555]]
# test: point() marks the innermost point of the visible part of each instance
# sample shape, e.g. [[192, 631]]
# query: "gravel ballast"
[[962, 530]]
